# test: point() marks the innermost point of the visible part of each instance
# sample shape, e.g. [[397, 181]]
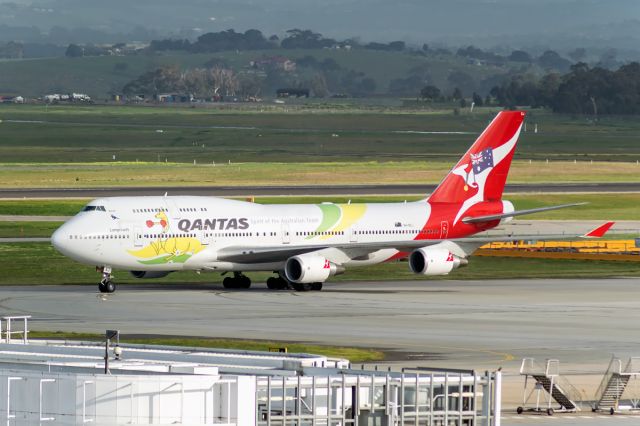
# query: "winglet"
[[599, 231]]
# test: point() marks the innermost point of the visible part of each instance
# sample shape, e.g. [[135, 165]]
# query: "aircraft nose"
[[60, 239]]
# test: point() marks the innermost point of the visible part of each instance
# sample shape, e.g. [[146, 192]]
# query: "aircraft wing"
[[267, 254], [491, 217]]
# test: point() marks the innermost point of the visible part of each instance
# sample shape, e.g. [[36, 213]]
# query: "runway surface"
[[472, 324], [465, 324], [301, 190]]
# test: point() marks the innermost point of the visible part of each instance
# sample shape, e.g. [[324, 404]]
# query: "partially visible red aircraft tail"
[[482, 170]]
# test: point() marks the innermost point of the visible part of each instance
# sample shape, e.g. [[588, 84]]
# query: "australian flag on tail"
[[482, 160]]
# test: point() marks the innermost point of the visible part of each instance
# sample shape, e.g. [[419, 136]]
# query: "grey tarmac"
[[458, 324], [302, 190], [472, 324]]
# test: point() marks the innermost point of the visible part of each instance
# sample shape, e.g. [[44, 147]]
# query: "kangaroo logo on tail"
[[481, 173]]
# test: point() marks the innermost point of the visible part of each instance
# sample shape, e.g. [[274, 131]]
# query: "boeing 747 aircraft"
[[304, 245]]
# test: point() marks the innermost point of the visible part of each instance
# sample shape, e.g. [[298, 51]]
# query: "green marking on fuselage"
[[168, 258], [330, 216]]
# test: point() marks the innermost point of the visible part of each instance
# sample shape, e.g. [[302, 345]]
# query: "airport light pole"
[[110, 334]]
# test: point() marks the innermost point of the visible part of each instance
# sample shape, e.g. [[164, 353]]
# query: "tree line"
[[255, 40], [583, 90]]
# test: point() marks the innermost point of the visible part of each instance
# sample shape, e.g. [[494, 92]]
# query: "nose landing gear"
[[106, 283]]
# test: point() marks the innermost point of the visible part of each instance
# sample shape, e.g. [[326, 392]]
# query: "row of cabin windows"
[[99, 237], [372, 232], [399, 231], [154, 210], [165, 210], [314, 233], [244, 234], [192, 209], [212, 234]]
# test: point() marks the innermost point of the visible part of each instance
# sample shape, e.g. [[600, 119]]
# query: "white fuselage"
[[174, 233]]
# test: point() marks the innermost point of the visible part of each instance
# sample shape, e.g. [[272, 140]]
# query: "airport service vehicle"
[[304, 245]]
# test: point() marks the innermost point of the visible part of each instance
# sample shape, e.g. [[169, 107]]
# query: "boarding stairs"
[[547, 378], [614, 383]]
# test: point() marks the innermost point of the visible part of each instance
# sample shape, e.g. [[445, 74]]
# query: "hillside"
[[101, 76]]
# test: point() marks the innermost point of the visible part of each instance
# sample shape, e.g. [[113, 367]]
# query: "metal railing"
[[551, 369], [7, 332], [615, 366]]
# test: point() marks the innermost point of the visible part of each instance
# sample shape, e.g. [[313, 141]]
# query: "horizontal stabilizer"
[[492, 217], [599, 231]]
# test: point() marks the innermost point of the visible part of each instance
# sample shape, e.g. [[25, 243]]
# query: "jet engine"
[[310, 268], [434, 261], [149, 274]]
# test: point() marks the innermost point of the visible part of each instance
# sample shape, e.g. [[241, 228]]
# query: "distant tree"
[[160, 80], [329, 64], [457, 94], [367, 86], [74, 51], [477, 100], [520, 56], [430, 92], [308, 61], [462, 80], [397, 46], [551, 59], [608, 59], [319, 86], [578, 54], [425, 47], [169, 44], [305, 39]]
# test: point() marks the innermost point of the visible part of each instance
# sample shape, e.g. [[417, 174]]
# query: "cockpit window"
[[94, 208]]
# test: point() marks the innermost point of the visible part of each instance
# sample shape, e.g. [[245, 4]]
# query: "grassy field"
[[27, 229], [352, 354], [88, 175], [313, 133], [600, 207], [53, 268]]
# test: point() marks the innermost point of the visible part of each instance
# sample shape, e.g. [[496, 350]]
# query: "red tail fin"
[[482, 170]]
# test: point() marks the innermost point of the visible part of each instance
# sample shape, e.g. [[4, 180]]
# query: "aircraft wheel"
[[549, 411], [519, 410], [107, 286], [244, 282], [229, 282], [301, 286], [272, 284], [316, 286]]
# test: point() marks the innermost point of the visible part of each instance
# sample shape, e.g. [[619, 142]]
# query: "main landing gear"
[[237, 281], [106, 283], [277, 283], [280, 283]]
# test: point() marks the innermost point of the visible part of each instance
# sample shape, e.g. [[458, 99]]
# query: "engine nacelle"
[[149, 274], [310, 268], [434, 261]]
